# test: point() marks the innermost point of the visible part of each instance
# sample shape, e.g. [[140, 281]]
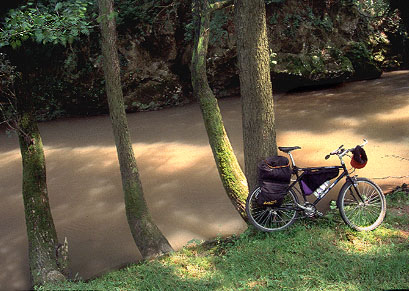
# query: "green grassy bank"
[[322, 254]]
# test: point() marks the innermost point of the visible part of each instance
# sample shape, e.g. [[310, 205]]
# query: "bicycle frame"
[[296, 171]]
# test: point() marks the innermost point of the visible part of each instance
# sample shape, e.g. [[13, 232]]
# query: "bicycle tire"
[[269, 219], [362, 215]]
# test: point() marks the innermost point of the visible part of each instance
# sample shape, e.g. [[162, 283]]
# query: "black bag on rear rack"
[[312, 179], [274, 176]]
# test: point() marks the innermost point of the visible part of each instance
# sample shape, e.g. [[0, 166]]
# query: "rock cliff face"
[[311, 42], [320, 43]]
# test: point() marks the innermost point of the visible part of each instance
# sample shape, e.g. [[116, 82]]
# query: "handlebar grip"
[[364, 143], [327, 157]]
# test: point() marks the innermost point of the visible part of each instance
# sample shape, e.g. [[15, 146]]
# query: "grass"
[[322, 254]]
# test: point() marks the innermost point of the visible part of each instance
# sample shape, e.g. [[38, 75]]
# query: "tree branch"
[[220, 5]]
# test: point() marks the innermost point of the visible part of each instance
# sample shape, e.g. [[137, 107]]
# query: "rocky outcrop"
[[148, 81], [312, 43], [318, 44]]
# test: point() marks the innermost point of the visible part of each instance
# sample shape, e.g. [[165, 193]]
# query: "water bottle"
[[321, 189]]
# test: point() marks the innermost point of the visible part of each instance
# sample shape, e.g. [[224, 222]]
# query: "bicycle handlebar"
[[365, 142], [340, 151]]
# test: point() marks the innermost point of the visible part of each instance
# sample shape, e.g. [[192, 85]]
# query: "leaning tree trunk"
[[47, 258], [232, 177], [148, 238], [259, 135]]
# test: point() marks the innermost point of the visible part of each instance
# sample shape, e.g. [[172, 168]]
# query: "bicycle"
[[361, 203]]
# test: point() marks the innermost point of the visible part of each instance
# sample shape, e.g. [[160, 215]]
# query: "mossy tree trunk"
[[48, 259], [259, 134], [232, 177], [148, 238]]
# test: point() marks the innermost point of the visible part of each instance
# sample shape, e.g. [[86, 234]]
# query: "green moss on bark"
[[147, 236], [229, 169], [41, 233]]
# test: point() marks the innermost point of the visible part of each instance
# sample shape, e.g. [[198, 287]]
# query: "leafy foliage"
[[56, 23], [8, 75], [142, 15], [218, 27], [373, 8]]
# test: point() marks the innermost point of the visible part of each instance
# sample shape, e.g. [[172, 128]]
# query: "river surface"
[[179, 176]]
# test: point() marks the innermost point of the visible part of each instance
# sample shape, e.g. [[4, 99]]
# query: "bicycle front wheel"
[[267, 218], [363, 211]]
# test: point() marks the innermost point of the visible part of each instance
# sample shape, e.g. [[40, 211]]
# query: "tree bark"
[[47, 264], [230, 173], [148, 238], [259, 134]]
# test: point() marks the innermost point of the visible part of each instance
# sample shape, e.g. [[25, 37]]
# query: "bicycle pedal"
[[319, 214]]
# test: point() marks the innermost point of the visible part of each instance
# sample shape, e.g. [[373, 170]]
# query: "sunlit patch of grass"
[[254, 285], [190, 263]]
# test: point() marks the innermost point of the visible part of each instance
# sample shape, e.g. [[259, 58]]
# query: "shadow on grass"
[[318, 255]]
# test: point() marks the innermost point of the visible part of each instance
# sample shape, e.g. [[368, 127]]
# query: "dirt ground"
[[178, 173]]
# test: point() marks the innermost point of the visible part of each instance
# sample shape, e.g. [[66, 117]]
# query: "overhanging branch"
[[220, 5]]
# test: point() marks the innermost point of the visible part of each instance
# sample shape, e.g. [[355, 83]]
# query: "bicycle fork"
[[355, 186]]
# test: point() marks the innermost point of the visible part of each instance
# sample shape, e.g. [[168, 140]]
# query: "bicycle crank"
[[311, 211]]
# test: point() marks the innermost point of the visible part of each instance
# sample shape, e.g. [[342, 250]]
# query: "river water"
[[180, 180]]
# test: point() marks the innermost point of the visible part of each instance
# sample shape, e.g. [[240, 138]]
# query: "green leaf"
[[39, 36], [112, 15], [85, 31], [58, 6]]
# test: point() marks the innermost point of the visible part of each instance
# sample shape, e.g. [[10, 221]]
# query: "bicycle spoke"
[[278, 215], [271, 218], [286, 214], [374, 198], [365, 214], [266, 218]]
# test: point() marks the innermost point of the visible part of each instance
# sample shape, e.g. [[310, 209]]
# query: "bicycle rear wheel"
[[362, 214], [267, 218]]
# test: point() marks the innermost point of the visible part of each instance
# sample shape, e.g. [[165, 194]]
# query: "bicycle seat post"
[[291, 158], [288, 150]]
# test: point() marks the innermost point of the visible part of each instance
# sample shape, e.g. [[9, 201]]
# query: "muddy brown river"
[[180, 180]]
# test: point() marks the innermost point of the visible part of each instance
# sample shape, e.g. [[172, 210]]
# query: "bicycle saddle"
[[288, 149]]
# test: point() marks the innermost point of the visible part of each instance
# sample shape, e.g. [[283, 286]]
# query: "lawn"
[[320, 254]]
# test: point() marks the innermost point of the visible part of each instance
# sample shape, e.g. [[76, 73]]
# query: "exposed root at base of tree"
[[403, 188]]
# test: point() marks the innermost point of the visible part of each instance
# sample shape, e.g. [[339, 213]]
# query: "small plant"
[[273, 59], [399, 197]]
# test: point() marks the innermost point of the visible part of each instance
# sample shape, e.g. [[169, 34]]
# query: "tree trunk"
[[45, 257], [148, 238], [259, 135], [232, 177]]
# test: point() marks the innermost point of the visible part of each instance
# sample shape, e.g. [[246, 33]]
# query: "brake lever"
[[364, 143], [334, 152]]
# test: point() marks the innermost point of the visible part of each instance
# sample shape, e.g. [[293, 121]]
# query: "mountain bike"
[[361, 203]]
